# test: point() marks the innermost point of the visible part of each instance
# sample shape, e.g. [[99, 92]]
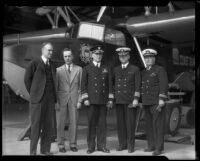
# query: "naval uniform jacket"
[[96, 84], [127, 84], [154, 85]]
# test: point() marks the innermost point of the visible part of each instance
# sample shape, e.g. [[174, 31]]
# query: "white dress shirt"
[[124, 65], [97, 64], [69, 66], [45, 60]]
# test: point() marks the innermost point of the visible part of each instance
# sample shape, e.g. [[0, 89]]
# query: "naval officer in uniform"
[[127, 83], [153, 95], [96, 88]]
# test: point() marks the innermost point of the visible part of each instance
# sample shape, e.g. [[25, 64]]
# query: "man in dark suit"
[[127, 92], [40, 83], [154, 93], [96, 93]]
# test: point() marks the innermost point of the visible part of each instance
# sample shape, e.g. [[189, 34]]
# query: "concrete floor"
[[15, 119]]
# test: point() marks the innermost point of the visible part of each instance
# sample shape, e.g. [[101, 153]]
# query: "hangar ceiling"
[[19, 19]]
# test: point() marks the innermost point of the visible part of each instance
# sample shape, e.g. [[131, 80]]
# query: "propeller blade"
[[101, 12]]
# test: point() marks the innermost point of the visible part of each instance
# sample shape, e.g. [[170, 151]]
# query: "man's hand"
[[57, 107], [160, 105], [86, 102], [78, 105], [135, 103], [109, 105]]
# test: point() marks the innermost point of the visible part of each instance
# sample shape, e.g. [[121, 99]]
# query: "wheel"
[[173, 118]]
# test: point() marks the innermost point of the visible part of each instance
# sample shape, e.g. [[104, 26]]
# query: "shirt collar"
[[71, 65], [95, 63], [125, 65], [44, 59], [148, 68]]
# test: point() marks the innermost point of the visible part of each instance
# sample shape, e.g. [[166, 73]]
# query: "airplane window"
[[115, 37]]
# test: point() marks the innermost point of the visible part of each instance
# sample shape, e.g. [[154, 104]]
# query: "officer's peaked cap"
[[97, 49], [149, 52], [123, 50]]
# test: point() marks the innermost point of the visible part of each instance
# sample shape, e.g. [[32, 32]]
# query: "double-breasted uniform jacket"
[[127, 84], [35, 79], [96, 84], [154, 85]]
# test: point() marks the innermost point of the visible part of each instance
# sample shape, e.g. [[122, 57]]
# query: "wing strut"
[[139, 50]]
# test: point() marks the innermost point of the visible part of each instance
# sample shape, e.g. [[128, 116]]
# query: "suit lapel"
[[65, 73], [42, 65], [73, 73]]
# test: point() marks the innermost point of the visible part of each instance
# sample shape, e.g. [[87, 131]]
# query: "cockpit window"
[[115, 37]]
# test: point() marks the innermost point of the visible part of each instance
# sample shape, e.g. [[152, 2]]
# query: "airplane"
[[136, 32]]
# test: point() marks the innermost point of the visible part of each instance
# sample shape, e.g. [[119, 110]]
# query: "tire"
[[173, 117]]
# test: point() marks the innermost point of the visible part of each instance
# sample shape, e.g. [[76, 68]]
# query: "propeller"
[[101, 13]]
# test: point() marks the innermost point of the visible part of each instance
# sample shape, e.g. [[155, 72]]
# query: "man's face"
[[68, 57], [124, 58], [150, 60], [47, 51], [97, 57]]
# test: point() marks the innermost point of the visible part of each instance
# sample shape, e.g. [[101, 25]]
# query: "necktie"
[[69, 69]]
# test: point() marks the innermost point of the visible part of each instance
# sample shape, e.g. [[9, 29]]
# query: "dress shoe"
[[62, 150], [89, 151], [156, 152], [74, 149], [105, 150], [131, 150], [121, 148], [149, 149], [46, 153]]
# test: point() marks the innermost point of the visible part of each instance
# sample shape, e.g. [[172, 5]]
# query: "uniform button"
[[96, 91], [103, 84], [147, 80], [95, 78], [118, 85], [103, 91], [146, 86], [103, 78], [125, 79], [124, 85], [95, 84], [118, 91]]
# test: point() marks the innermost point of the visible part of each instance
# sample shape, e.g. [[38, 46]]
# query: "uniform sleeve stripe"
[[162, 95], [137, 94], [110, 95], [84, 95]]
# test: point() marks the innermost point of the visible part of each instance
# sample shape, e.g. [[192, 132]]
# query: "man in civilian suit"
[[96, 87], [68, 83], [127, 92], [153, 95], [40, 81]]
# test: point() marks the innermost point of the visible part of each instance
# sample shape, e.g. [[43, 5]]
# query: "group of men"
[[99, 88]]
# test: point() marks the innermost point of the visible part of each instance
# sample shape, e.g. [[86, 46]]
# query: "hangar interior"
[[180, 135]]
